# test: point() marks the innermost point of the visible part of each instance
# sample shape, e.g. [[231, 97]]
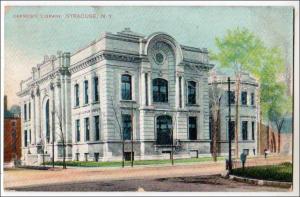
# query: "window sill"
[[192, 105], [76, 107], [128, 101], [161, 103], [95, 102]]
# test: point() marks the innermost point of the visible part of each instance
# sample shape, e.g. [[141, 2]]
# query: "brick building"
[[12, 136]]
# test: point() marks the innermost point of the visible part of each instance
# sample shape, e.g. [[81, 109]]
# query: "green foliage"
[[241, 50], [281, 172], [138, 162]]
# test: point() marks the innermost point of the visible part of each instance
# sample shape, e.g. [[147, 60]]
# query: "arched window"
[[191, 92], [126, 87], [160, 90], [164, 132], [47, 122], [76, 90]]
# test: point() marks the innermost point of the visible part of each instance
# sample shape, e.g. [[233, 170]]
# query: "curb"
[[262, 182]]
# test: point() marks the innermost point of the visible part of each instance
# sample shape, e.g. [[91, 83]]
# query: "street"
[[193, 177]]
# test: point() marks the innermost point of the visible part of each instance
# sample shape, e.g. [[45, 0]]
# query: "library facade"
[[148, 92]]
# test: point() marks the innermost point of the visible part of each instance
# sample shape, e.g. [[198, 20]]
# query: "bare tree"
[[118, 125], [62, 136], [237, 113], [42, 147], [215, 95]]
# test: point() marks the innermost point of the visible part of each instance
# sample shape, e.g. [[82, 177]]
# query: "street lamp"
[[229, 129]]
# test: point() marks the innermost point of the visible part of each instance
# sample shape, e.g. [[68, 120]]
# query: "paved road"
[[205, 183], [91, 177]]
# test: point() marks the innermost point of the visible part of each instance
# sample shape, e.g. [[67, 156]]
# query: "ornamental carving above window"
[[160, 53]]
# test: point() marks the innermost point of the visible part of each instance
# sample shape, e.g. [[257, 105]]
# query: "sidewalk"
[[18, 178]]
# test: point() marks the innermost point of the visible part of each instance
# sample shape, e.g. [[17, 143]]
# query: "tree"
[[215, 95], [62, 136], [239, 50], [118, 125], [274, 101], [280, 108]]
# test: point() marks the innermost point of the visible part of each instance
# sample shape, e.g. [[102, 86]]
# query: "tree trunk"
[[123, 148], [237, 117], [279, 136], [64, 156], [214, 136], [268, 136]]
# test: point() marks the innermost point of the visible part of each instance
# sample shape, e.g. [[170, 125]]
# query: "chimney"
[[5, 103]]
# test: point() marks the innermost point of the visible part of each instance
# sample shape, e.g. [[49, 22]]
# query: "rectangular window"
[[14, 140], [253, 127], [246, 151], [25, 112], [231, 97], [29, 136], [126, 122], [252, 99], [29, 109], [192, 92], [96, 89], [192, 128], [180, 94], [76, 89], [126, 87], [77, 123], [245, 130], [160, 90], [87, 129], [86, 92], [97, 128], [244, 98], [77, 156], [210, 128], [231, 129], [96, 156], [146, 88], [127, 156], [86, 156], [25, 138]]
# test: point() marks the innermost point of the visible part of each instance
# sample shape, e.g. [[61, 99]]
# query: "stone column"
[[52, 111], [143, 90], [150, 88], [177, 93], [38, 115], [183, 95], [33, 121]]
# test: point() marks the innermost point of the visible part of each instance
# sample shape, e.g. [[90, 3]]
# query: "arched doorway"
[[164, 132], [47, 123]]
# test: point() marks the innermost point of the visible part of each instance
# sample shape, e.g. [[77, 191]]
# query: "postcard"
[[146, 98]]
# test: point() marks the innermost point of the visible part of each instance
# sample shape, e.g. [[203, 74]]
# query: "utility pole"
[[229, 129]]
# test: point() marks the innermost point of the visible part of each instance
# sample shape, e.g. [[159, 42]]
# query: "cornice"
[[104, 55]]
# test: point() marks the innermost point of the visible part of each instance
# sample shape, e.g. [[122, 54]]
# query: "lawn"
[[280, 172], [128, 163]]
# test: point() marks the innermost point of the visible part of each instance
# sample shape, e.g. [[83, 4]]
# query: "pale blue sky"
[[28, 40]]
